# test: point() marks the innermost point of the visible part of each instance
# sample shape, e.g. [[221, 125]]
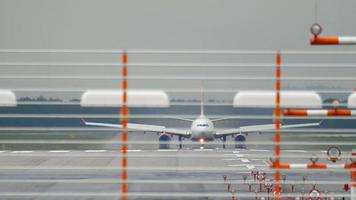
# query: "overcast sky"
[[168, 24]]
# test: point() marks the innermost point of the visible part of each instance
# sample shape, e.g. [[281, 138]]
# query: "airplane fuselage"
[[202, 129]]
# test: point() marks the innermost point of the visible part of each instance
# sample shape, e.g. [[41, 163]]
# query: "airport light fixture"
[[353, 156], [268, 184], [314, 194], [316, 30], [333, 153], [244, 177], [284, 178], [314, 159]]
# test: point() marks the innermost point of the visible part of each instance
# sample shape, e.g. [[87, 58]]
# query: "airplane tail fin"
[[202, 101]]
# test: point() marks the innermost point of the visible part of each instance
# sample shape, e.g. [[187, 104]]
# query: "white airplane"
[[202, 129]]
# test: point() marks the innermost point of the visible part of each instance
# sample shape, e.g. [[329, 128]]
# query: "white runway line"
[[203, 149], [59, 151], [296, 151], [237, 165], [134, 150], [2, 151], [95, 151], [22, 152], [239, 155], [244, 160], [228, 159], [266, 163], [260, 150], [247, 166], [168, 150], [250, 166], [235, 151]]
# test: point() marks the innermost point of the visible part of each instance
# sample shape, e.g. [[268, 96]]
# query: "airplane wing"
[[143, 127], [262, 127]]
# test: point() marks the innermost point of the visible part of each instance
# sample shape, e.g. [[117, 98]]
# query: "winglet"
[[321, 121], [83, 121]]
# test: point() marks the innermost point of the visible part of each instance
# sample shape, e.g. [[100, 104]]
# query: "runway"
[[153, 174]]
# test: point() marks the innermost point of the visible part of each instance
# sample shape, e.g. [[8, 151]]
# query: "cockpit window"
[[203, 125]]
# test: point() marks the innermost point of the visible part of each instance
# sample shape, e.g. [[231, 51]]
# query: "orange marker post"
[[277, 113], [124, 175]]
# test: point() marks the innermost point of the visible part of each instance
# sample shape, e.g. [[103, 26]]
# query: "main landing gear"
[[224, 141], [180, 142]]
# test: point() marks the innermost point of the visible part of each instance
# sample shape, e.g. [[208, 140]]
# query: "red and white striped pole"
[[347, 166], [321, 166], [329, 40], [333, 40], [322, 112]]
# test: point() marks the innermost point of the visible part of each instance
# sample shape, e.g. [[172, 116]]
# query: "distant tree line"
[[39, 98]]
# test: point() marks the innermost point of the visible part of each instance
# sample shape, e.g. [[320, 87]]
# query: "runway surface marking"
[[59, 151], [244, 160], [257, 159], [203, 149], [229, 159], [252, 166], [260, 150], [95, 151], [296, 151], [240, 155], [134, 150], [167, 149], [22, 152], [266, 162]]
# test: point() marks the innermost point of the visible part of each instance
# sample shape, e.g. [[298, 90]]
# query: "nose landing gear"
[[180, 142], [224, 142], [201, 141]]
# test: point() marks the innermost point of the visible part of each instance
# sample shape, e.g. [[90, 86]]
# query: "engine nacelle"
[[240, 141], [164, 140]]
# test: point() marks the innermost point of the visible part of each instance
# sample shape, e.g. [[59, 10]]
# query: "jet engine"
[[240, 141], [164, 140]]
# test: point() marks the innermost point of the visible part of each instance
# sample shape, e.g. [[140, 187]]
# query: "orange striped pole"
[[348, 166], [332, 40], [278, 126], [124, 177], [331, 112]]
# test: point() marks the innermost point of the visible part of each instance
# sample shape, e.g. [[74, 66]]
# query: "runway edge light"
[[136, 98]]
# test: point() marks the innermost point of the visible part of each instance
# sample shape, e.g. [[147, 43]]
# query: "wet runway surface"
[[190, 173]]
